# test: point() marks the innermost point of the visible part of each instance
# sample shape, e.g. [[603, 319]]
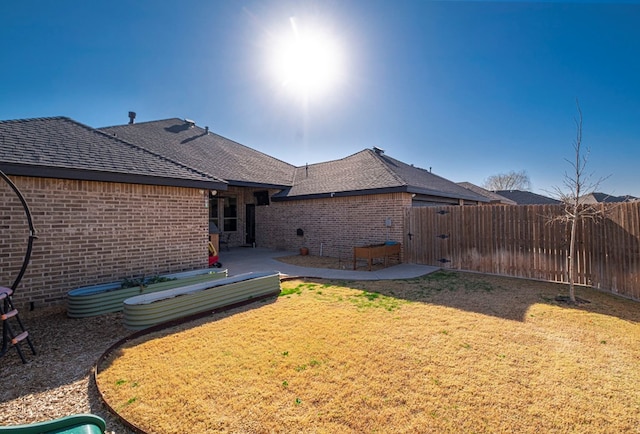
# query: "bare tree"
[[576, 184], [508, 181]]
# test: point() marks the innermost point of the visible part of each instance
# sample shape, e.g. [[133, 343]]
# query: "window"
[[262, 197], [230, 209], [213, 214], [223, 212]]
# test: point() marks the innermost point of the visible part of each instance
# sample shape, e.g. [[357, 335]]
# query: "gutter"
[[284, 197], [104, 176]]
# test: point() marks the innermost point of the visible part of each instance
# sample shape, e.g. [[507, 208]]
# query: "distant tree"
[[576, 184], [508, 181]]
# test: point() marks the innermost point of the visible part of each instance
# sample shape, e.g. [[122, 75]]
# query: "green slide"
[[75, 424]]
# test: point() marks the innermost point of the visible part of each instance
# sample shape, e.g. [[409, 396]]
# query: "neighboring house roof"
[[369, 172], [59, 147], [527, 198], [493, 197], [197, 147], [598, 197]]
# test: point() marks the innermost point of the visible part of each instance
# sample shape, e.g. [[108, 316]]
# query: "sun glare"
[[307, 61]]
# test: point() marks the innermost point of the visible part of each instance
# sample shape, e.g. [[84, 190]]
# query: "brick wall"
[[94, 232], [334, 224]]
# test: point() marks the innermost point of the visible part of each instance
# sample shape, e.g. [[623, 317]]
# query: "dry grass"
[[451, 352]]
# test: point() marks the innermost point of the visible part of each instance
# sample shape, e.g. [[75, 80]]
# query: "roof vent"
[[206, 130], [132, 117], [378, 151], [190, 123]]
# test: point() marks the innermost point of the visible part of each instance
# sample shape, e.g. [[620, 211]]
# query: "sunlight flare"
[[306, 60]]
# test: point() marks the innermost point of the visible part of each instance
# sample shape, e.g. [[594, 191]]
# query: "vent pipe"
[[132, 117]]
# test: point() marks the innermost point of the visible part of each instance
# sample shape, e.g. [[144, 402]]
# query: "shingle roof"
[[194, 146], [493, 197], [598, 197], [173, 150], [61, 147], [527, 197], [424, 182], [369, 172]]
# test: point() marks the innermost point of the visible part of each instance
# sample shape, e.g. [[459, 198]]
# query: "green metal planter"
[[75, 424], [100, 299], [146, 310]]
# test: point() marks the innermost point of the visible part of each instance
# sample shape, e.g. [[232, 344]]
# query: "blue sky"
[[468, 89]]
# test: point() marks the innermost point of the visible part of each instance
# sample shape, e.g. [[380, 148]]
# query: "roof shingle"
[[493, 197], [527, 198], [196, 147], [74, 150], [370, 171]]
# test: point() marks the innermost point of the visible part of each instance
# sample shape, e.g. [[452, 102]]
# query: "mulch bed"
[[56, 381]]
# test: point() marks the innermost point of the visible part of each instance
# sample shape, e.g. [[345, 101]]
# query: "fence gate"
[[428, 238]]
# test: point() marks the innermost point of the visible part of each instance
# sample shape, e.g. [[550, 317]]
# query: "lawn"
[[449, 352]]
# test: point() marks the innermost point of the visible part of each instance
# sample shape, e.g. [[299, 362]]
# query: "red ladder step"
[[22, 336], [9, 314]]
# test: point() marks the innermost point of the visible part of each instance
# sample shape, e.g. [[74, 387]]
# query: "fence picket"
[[523, 241]]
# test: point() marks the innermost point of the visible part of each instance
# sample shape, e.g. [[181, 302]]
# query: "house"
[[141, 198], [597, 197], [358, 200], [251, 176], [103, 209], [335, 205], [521, 197], [494, 198]]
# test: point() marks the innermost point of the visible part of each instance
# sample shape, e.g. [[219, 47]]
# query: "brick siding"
[[95, 232], [334, 225]]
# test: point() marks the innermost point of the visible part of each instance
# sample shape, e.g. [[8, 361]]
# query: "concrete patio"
[[245, 259]]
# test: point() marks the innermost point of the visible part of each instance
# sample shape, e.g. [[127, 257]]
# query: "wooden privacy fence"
[[525, 241]]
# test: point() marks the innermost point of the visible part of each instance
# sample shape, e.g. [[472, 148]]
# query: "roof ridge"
[[42, 118], [247, 147], [138, 123], [142, 148], [212, 133], [379, 159], [332, 161]]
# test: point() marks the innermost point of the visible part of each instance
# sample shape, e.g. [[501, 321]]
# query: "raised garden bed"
[[100, 299], [146, 310], [369, 253]]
